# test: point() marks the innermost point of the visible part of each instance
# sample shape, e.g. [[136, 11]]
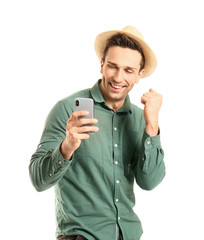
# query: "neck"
[[114, 106]]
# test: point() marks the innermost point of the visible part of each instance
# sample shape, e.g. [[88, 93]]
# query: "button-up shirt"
[[95, 189]]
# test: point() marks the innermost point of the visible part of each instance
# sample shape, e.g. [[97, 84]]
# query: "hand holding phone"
[[79, 125]]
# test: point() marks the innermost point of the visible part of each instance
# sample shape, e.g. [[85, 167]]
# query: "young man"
[[94, 174]]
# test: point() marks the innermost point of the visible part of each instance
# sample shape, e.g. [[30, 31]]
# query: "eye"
[[111, 66], [129, 71]]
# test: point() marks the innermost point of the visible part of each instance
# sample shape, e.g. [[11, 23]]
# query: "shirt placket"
[[116, 164]]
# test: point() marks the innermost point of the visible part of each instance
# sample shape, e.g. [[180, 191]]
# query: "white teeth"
[[116, 86]]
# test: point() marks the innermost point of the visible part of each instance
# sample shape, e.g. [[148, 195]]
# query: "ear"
[[140, 74], [102, 64]]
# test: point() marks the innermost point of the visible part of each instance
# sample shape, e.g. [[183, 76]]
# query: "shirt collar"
[[98, 97], [96, 93]]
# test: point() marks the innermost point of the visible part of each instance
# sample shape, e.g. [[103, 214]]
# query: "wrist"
[[66, 151], [152, 129]]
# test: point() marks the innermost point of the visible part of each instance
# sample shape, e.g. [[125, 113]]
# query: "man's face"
[[120, 72]]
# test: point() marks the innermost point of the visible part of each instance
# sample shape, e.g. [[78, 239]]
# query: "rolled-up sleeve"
[[150, 168]]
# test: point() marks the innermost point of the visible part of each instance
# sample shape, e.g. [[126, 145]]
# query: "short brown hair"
[[122, 40]]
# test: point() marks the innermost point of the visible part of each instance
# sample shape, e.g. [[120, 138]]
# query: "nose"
[[118, 77]]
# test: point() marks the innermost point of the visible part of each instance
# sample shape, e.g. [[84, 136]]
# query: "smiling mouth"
[[116, 86]]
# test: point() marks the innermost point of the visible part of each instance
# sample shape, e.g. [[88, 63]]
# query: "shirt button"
[[115, 128], [117, 200], [116, 162], [117, 181], [118, 218], [60, 162], [50, 174], [40, 146], [116, 145], [142, 159], [148, 142]]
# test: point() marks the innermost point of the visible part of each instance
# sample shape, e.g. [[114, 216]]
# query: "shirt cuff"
[[58, 162], [149, 141]]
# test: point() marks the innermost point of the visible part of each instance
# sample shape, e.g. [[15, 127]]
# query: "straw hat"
[[150, 58]]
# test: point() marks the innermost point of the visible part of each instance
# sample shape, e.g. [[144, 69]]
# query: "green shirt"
[[94, 190]]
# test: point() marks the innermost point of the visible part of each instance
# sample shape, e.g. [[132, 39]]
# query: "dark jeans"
[[78, 237]]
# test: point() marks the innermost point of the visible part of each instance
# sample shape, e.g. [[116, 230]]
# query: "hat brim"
[[150, 58]]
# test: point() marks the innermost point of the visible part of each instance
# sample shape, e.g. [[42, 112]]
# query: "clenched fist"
[[152, 103]]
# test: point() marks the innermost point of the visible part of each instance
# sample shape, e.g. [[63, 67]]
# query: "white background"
[[47, 53]]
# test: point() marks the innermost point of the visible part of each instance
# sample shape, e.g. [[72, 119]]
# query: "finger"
[[152, 90], [85, 121], [150, 95], [144, 99], [86, 129], [79, 114], [83, 136], [77, 136]]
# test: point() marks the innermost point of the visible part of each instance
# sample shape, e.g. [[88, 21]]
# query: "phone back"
[[85, 104]]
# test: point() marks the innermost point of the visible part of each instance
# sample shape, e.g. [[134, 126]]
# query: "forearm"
[[47, 165], [152, 129], [47, 169], [150, 168]]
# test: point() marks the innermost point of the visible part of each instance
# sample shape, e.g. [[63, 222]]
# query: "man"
[[94, 174]]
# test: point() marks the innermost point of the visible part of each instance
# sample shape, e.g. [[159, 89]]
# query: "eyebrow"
[[116, 65]]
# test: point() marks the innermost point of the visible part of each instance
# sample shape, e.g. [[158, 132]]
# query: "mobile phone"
[[85, 104]]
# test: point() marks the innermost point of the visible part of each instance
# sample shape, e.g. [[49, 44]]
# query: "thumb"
[[151, 90]]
